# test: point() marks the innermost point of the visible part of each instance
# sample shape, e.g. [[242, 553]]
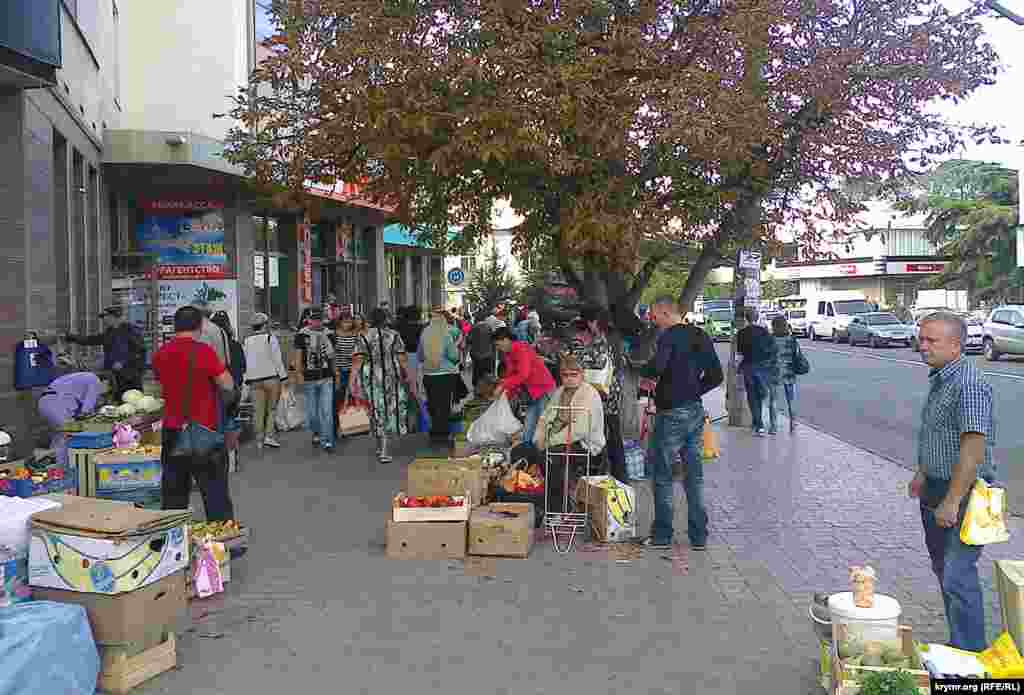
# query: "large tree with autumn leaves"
[[695, 126]]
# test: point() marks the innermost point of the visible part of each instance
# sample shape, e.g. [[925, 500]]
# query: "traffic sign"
[[456, 276], [750, 260]]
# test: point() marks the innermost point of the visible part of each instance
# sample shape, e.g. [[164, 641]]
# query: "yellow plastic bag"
[[1002, 660], [711, 448], [985, 519]]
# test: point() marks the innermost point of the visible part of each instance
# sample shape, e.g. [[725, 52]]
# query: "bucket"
[[863, 630]]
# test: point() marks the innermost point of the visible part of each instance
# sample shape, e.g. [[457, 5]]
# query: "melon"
[[126, 410], [132, 396]]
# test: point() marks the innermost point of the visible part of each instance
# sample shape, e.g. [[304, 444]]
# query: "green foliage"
[[889, 683], [668, 279], [491, 285]]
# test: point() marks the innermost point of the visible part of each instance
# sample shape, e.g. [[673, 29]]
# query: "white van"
[[829, 313]]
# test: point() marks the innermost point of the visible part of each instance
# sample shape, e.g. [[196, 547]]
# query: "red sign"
[[848, 269], [306, 257], [180, 205], [190, 272], [925, 267]]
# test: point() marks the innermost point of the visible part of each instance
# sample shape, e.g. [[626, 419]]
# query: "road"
[[872, 398]]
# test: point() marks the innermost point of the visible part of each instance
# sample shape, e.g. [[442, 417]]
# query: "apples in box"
[[104, 547], [439, 476], [612, 506], [426, 540], [501, 529]]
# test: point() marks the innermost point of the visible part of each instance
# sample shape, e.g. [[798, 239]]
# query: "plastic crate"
[[91, 440], [23, 488]]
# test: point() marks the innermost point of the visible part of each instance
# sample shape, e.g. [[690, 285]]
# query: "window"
[[999, 317], [1015, 319], [821, 308]]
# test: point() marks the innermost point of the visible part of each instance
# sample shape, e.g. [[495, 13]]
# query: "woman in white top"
[[264, 373]]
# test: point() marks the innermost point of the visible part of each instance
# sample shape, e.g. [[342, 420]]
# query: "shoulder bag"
[[194, 440], [800, 364]]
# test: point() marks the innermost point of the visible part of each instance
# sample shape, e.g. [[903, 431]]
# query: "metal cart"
[[568, 522]]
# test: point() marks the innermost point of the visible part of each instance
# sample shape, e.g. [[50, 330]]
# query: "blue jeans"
[[757, 382], [319, 409], [533, 413], [679, 429], [956, 566], [773, 402]]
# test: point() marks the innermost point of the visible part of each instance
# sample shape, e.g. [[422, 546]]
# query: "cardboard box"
[[120, 674], [612, 506], [437, 476], [1009, 581], [401, 514], [846, 678], [103, 547], [431, 540], [129, 624], [502, 529]]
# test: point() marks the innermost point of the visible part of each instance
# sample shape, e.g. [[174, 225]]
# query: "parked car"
[[877, 329], [718, 323], [975, 331], [1004, 332], [797, 319]]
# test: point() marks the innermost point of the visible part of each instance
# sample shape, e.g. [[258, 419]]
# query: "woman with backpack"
[[264, 374], [790, 363]]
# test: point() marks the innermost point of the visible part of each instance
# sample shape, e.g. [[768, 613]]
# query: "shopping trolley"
[[568, 522]]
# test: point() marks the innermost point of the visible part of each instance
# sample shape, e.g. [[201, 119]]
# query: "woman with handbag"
[[380, 376], [790, 364], [190, 374], [603, 369]]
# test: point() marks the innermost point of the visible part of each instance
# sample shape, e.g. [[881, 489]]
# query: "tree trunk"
[[707, 260]]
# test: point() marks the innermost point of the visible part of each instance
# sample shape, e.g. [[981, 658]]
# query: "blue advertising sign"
[[189, 238], [456, 276]]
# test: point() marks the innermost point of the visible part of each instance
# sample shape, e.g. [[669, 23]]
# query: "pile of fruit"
[[855, 653], [432, 501], [217, 530], [528, 482]]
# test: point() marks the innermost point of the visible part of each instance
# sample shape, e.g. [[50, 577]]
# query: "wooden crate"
[[82, 461], [845, 678], [406, 514], [121, 674], [1009, 581]]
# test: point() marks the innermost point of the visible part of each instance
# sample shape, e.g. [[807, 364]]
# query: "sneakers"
[[328, 448], [385, 458], [698, 546], [316, 440], [649, 542], [773, 431], [271, 442], [758, 431]]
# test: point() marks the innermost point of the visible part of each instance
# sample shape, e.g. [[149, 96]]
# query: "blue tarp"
[[47, 648]]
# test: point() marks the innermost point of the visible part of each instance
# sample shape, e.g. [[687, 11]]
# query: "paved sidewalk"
[[315, 602]]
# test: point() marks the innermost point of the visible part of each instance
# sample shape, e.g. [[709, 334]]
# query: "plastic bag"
[[636, 460], [354, 418], [206, 577], [1002, 659], [289, 415], [47, 648], [985, 519], [711, 448], [496, 425]]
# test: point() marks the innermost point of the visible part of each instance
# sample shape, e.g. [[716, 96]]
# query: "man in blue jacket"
[[124, 352]]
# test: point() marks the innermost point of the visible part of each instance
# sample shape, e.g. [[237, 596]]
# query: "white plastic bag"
[[289, 415], [495, 426]]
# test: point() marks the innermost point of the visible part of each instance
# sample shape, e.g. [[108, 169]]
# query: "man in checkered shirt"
[[954, 450]]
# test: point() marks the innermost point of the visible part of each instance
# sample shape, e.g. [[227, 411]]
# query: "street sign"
[[750, 260], [456, 276]]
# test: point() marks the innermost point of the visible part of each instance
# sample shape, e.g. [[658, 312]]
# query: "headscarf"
[[433, 339]]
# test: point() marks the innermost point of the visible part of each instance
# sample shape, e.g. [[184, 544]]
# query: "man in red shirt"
[[190, 374], [524, 369]]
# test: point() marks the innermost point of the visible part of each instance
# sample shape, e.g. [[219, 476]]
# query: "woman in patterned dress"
[[594, 352], [381, 377]]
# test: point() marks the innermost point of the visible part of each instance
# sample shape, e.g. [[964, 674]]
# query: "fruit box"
[[504, 529], [432, 540], [1009, 580], [612, 506], [402, 514], [116, 472], [430, 476], [846, 677]]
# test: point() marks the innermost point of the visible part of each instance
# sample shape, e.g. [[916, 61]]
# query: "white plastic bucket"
[[862, 626]]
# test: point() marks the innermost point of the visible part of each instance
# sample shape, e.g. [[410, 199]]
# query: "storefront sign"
[[187, 237], [259, 277], [305, 263], [848, 269], [221, 295], [925, 267]]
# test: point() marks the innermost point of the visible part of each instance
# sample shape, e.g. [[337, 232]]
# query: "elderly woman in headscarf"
[[380, 375], [439, 361]]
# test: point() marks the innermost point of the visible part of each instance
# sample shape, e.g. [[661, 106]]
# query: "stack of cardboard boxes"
[[126, 567], [477, 527]]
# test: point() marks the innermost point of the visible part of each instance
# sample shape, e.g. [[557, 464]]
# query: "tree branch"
[[998, 8], [643, 278]]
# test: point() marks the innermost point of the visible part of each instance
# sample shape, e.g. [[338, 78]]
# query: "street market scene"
[[522, 347]]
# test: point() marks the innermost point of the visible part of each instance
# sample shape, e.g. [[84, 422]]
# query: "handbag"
[[985, 518], [800, 364], [194, 440], [601, 379], [354, 418], [711, 448]]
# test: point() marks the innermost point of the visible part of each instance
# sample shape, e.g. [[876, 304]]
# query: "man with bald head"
[[954, 450]]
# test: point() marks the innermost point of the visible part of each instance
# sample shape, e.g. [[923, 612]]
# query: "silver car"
[[879, 328], [975, 333], [1004, 332]]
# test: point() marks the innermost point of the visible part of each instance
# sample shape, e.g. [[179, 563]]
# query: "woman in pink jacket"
[[524, 369]]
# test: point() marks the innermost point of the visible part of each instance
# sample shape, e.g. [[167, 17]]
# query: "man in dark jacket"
[[124, 352], [757, 346]]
